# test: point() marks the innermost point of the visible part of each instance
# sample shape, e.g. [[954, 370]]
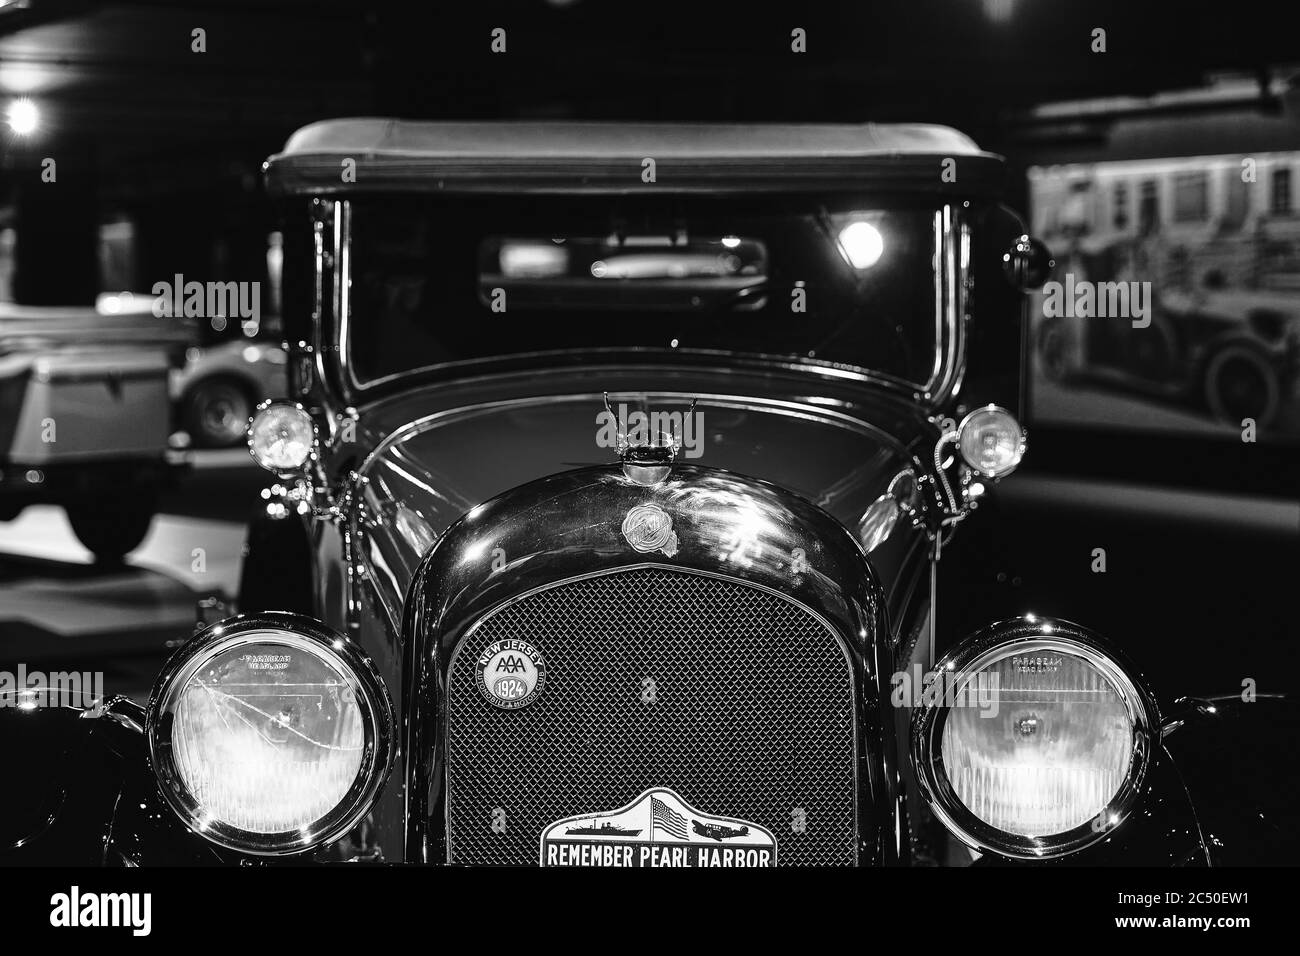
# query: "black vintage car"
[[607, 506]]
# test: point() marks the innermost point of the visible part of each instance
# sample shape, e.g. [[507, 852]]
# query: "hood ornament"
[[648, 462]]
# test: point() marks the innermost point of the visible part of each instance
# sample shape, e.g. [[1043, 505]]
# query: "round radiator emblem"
[[648, 528], [511, 674]]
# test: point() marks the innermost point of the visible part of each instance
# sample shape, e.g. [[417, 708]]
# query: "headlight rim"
[[1134, 693], [372, 699]]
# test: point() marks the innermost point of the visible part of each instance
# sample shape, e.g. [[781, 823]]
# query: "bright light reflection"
[[862, 244], [23, 116]]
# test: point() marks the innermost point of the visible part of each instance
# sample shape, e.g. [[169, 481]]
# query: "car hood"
[[426, 471]]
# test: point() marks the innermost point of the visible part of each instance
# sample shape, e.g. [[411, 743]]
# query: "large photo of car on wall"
[[1203, 255]]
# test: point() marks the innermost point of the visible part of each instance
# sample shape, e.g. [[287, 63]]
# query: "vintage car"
[[85, 417], [605, 527], [1234, 353], [220, 385]]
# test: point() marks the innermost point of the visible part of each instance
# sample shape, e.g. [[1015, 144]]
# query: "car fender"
[[1215, 797], [86, 795], [1228, 752]]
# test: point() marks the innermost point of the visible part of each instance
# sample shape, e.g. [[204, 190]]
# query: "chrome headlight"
[[1035, 741], [991, 441], [270, 734], [282, 438]]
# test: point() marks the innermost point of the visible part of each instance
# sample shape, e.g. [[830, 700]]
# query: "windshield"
[[825, 281]]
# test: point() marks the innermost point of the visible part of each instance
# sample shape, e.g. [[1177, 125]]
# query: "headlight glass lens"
[[1053, 753], [991, 441], [281, 437], [267, 734]]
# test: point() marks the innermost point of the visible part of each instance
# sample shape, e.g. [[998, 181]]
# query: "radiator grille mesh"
[[737, 699]]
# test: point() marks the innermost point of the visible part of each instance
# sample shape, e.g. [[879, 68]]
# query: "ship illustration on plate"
[[605, 829]]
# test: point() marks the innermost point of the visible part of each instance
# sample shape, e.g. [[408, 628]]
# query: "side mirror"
[[1028, 263]]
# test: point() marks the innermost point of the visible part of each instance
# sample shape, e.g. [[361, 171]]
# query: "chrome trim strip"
[[946, 379], [322, 262], [940, 284], [342, 275], [963, 318]]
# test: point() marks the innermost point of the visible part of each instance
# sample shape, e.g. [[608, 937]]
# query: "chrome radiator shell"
[[759, 543]]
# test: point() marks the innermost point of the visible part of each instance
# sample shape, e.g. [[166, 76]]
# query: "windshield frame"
[[333, 278]]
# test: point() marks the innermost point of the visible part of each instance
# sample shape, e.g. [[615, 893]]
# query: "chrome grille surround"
[[753, 714]]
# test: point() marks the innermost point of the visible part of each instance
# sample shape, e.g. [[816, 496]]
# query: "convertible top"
[[509, 157]]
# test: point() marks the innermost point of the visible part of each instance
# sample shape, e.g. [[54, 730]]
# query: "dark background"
[[1197, 589], [139, 122]]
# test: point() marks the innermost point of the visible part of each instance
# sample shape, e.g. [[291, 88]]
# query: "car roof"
[[530, 156]]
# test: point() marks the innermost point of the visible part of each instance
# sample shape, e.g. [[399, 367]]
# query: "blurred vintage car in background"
[[1215, 240], [85, 417], [221, 384], [1233, 354]]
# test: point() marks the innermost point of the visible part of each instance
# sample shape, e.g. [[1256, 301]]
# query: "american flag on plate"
[[661, 815]]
